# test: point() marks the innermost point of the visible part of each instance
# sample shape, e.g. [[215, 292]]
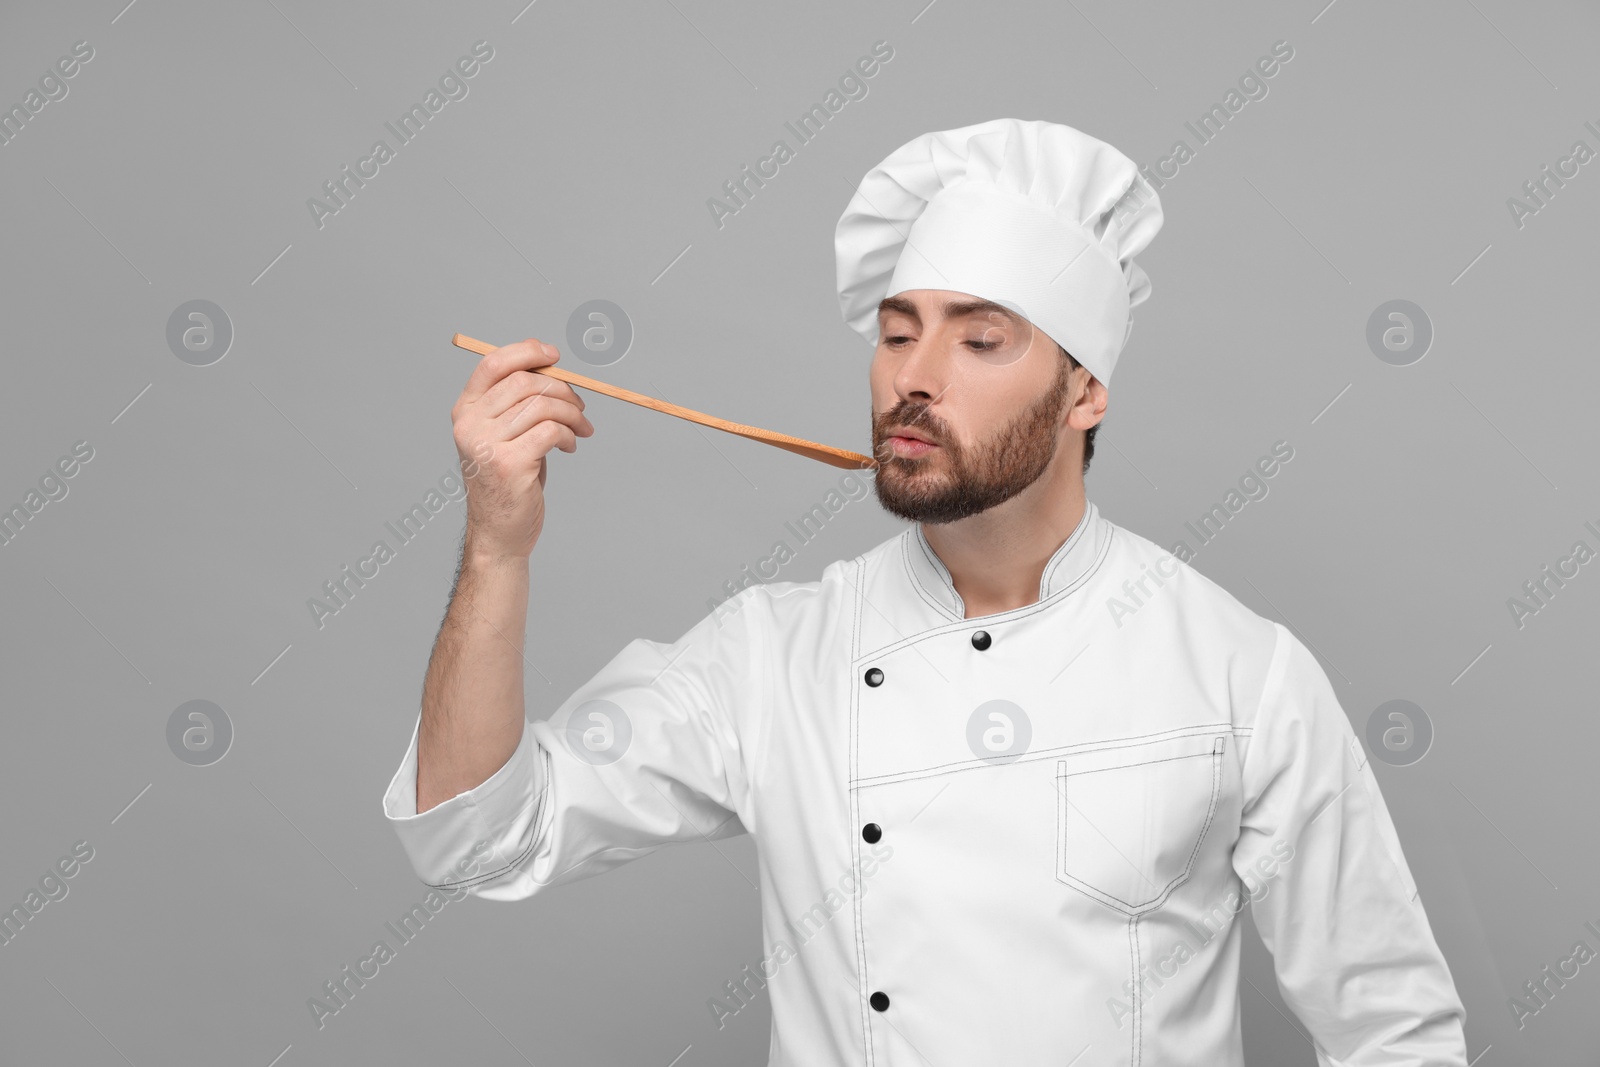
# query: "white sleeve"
[[1333, 897], [653, 749]]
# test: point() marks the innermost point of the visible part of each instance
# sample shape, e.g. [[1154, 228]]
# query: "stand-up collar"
[[1074, 561]]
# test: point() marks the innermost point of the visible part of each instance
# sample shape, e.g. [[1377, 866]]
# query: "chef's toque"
[[1036, 216]]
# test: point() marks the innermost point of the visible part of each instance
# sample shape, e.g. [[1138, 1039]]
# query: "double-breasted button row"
[[980, 641], [872, 832]]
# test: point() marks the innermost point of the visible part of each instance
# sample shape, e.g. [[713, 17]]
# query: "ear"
[[1088, 400]]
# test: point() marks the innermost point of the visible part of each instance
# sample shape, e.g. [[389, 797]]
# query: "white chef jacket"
[[1018, 838]]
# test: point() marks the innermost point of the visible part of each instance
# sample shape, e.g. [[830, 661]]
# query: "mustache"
[[917, 420]]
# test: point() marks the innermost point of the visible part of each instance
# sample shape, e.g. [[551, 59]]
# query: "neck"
[[996, 558]]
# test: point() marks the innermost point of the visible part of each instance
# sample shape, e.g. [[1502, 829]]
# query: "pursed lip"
[[913, 435]]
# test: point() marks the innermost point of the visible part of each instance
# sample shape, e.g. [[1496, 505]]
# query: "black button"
[[980, 640], [871, 832], [874, 676], [880, 1000]]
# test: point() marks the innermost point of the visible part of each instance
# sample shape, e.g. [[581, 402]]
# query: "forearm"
[[472, 700]]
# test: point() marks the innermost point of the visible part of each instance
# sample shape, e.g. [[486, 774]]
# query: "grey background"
[[179, 565]]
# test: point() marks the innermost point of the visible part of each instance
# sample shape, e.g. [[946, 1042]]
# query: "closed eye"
[[977, 346]]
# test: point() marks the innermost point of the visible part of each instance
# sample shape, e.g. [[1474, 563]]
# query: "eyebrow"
[[952, 308]]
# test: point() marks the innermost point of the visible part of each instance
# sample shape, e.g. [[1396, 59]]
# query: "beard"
[[954, 481]]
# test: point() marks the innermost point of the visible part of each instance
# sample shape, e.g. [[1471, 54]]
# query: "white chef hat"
[[1034, 215]]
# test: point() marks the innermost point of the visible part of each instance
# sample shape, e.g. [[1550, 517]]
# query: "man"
[[1049, 813]]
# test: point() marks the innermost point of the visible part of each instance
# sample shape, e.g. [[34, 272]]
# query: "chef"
[[999, 818]]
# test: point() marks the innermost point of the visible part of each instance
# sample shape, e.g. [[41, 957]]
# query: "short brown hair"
[[1088, 437]]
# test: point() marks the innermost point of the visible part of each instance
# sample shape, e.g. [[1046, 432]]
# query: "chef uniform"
[[1022, 838]]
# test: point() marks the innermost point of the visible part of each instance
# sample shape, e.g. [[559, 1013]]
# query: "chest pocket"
[[1130, 818]]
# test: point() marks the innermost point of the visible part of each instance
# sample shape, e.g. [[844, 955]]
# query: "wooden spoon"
[[833, 457]]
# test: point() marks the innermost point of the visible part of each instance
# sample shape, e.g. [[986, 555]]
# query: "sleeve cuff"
[[477, 837]]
